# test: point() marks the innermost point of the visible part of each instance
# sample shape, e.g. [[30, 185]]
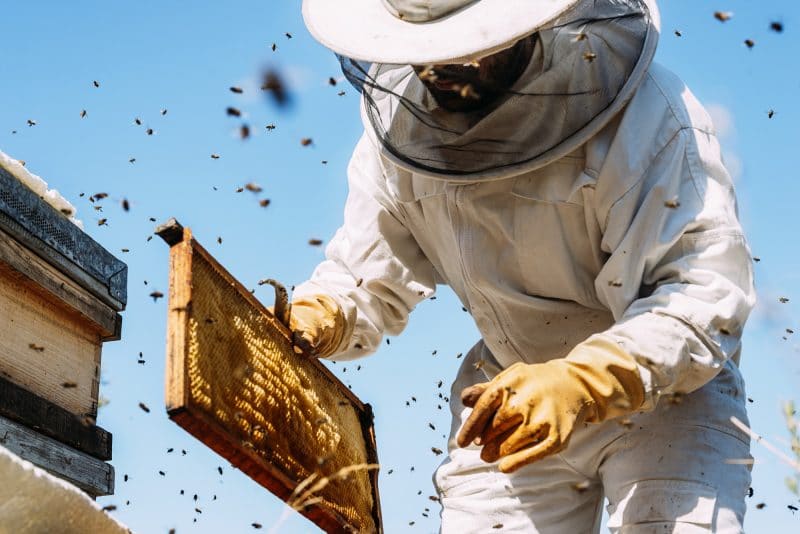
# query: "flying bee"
[[467, 91], [272, 82], [314, 242], [428, 74], [723, 16], [144, 407], [582, 486], [675, 398], [83, 113], [236, 90]]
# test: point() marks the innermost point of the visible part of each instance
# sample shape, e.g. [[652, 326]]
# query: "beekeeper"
[[531, 156]]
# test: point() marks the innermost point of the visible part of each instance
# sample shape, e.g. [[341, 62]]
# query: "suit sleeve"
[[374, 268], [678, 278]]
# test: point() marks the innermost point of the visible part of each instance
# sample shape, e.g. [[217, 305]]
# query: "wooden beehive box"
[[60, 298], [235, 382]]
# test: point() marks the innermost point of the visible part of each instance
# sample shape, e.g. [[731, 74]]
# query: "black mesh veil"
[[583, 69]]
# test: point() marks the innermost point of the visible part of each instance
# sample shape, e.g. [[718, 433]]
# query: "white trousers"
[[682, 468]]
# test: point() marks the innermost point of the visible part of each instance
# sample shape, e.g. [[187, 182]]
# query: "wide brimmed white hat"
[[427, 32]]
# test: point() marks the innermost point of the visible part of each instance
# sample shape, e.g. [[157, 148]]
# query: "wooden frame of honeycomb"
[[235, 382]]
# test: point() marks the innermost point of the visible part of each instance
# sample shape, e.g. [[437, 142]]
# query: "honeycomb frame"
[[234, 382]]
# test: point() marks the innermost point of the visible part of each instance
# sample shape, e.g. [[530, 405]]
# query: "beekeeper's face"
[[478, 84]]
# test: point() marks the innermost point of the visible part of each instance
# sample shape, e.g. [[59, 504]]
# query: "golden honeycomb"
[[242, 373]]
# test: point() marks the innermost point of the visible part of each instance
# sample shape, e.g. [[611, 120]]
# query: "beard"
[[472, 87]]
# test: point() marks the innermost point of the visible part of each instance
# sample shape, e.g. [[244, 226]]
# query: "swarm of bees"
[[275, 89]]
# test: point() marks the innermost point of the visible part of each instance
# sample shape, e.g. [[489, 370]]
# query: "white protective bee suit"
[[626, 227]]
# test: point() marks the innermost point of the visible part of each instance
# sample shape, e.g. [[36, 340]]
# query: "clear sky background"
[[183, 56]]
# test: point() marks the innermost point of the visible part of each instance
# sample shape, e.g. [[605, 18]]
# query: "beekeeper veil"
[[588, 57]]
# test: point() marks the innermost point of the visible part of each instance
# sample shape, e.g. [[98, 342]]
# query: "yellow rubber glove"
[[318, 325], [529, 411]]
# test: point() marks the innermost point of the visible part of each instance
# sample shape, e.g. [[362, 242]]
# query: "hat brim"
[[366, 30]]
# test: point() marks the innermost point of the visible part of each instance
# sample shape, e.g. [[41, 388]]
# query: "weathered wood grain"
[[41, 228], [27, 409], [48, 349], [89, 474], [29, 268]]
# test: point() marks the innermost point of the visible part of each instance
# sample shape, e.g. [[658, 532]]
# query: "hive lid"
[[51, 235]]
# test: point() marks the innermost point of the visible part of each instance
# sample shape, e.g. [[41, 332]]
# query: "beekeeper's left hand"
[[529, 411]]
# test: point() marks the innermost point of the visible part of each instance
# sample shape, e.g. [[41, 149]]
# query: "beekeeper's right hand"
[[318, 325]]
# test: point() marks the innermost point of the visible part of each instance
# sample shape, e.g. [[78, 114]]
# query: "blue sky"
[[183, 56]]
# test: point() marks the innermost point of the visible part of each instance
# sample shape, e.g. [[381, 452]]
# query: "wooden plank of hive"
[[46, 347], [49, 419], [236, 384], [89, 474], [38, 226], [19, 261]]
